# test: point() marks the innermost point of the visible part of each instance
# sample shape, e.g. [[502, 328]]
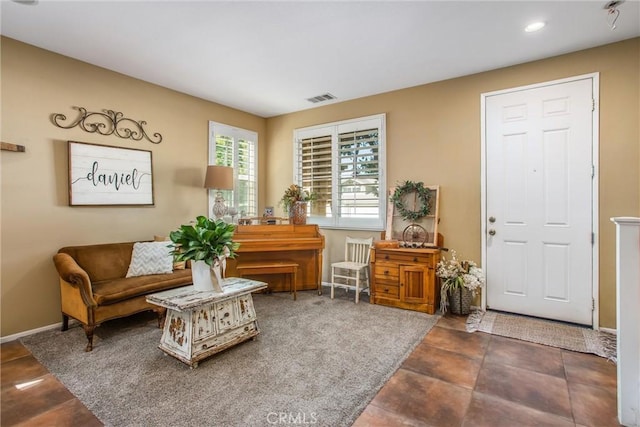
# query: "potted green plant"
[[207, 244], [460, 282], [295, 201]]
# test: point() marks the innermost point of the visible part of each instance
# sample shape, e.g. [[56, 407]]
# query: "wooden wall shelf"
[[13, 147]]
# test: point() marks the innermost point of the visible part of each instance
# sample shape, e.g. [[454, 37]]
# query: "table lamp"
[[219, 178]]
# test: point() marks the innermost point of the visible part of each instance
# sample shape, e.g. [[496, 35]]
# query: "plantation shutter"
[[237, 148], [246, 178], [359, 177], [316, 172], [342, 164], [224, 150]]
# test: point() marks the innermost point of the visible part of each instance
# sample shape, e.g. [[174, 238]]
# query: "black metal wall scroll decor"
[[107, 122]]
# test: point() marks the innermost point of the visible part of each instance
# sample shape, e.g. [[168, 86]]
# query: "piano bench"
[[271, 267]]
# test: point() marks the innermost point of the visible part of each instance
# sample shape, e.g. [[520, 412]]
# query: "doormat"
[[546, 332]]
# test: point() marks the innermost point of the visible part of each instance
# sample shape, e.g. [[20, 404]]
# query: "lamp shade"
[[219, 178]]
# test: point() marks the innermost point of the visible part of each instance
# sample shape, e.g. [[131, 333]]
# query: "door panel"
[[515, 268], [412, 280], [539, 193], [556, 272]]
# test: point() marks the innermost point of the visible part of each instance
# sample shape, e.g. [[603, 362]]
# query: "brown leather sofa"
[[94, 289]]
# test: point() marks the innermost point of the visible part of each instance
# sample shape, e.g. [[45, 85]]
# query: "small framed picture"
[[268, 211]]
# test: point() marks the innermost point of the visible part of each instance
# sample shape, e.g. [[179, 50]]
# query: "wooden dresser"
[[405, 278]]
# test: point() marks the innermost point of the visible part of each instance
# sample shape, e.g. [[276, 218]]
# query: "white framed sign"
[[102, 175]]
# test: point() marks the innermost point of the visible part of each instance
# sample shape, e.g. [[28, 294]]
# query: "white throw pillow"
[[177, 265], [150, 258]]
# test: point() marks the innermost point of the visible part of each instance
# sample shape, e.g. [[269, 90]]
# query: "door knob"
[[492, 219], [492, 232]]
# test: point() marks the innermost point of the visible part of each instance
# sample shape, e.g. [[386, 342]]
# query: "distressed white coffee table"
[[200, 324]]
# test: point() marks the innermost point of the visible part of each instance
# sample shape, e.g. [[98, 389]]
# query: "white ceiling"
[[268, 57]]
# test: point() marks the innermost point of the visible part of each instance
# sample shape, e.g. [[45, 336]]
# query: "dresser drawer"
[[386, 271], [384, 290], [428, 259]]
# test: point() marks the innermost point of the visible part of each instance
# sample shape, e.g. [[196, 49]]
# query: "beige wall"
[[36, 218], [430, 128], [433, 135]]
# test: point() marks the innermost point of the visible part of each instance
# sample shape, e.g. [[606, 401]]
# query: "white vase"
[[206, 278]]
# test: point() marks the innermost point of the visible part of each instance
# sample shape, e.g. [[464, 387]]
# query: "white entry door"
[[539, 170]]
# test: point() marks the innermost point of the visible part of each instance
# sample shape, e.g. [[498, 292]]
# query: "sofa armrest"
[[72, 273]]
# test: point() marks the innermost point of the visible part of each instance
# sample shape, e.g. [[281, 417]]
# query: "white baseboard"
[[72, 322], [609, 331]]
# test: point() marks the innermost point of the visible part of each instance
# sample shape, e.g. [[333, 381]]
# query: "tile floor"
[[452, 378]]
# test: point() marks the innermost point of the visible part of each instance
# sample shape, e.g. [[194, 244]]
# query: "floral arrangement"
[[295, 193], [456, 274]]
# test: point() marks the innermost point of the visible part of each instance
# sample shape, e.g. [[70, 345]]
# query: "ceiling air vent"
[[321, 98]]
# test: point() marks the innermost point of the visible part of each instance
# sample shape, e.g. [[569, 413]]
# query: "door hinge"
[[593, 238], [593, 104], [593, 304], [593, 171]]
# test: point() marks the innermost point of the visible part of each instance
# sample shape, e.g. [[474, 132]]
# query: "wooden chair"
[[354, 270]]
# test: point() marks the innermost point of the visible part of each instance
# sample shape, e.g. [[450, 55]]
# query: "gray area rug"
[[547, 332], [317, 361]]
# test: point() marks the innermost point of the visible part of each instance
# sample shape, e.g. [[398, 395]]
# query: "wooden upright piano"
[[302, 244]]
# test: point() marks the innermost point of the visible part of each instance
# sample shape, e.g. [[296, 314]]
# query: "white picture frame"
[[102, 175]]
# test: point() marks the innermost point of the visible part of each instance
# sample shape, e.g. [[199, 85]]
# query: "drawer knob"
[[386, 290], [415, 259], [386, 272], [386, 257]]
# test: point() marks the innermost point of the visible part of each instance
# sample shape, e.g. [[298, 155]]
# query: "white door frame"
[[595, 78]]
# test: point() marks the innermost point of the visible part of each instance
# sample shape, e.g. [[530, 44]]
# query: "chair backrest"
[[357, 250]]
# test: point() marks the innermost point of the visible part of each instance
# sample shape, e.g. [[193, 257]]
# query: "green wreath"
[[424, 195]]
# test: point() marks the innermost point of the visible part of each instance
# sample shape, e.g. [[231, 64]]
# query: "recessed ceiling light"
[[534, 26]]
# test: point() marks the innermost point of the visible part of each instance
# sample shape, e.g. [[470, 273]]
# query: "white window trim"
[[235, 132], [367, 122]]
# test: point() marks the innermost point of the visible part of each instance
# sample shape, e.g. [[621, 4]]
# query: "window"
[[229, 146], [343, 164]]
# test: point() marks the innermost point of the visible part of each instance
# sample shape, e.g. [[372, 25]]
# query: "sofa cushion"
[[104, 261], [150, 258], [113, 291]]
